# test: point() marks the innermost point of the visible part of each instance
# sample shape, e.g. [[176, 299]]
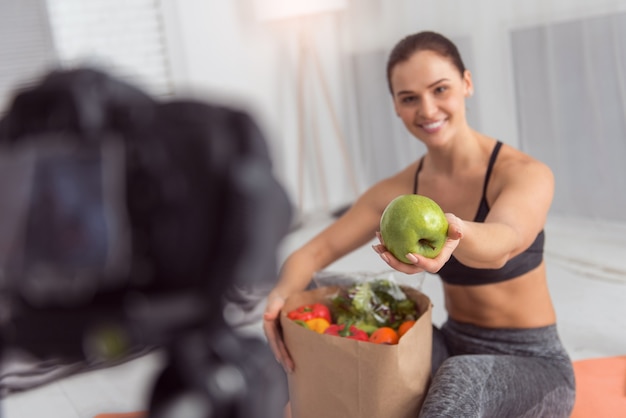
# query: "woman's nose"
[[427, 108]]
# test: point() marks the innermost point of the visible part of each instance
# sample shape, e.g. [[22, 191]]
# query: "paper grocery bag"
[[337, 377]]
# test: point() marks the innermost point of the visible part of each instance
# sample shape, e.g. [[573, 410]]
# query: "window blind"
[[124, 37], [26, 47]]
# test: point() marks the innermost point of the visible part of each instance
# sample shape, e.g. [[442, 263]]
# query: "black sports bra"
[[454, 272]]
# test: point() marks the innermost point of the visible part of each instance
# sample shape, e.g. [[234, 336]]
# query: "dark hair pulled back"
[[423, 41]]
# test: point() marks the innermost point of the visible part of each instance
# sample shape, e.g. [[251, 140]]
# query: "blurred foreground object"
[[123, 223]]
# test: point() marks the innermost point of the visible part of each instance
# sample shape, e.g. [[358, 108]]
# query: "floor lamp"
[[309, 65]]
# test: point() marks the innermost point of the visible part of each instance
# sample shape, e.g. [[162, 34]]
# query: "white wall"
[[222, 52]]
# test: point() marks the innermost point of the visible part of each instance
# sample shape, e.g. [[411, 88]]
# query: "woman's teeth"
[[432, 126]]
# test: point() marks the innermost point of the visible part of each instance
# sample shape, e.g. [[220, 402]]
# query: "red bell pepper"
[[308, 312], [350, 332]]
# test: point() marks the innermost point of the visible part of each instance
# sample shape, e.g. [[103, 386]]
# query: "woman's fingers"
[[433, 265], [380, 237], [273, 334], [455, 226], [394, 263]]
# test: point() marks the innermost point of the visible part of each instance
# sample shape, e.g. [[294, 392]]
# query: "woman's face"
[[429, 96]]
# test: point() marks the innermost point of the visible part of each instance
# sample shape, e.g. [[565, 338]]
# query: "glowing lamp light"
[[304, 11], [267, 10]]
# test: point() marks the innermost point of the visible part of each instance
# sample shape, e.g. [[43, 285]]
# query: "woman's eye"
[[440, 89], [408, 99]]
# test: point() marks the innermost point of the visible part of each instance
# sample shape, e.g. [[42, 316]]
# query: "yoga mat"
[[600, 388]]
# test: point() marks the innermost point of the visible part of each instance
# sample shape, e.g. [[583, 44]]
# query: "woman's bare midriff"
[[523, 302]]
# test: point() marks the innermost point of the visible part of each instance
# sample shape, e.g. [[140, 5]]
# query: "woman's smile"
[[432, 127]]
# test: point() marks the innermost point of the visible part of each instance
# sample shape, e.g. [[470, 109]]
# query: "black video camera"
[[124, 220]]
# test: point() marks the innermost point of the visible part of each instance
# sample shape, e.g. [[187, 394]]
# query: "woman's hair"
[[423, 41]]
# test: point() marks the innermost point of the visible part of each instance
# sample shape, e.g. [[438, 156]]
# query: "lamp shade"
[[267, 10]]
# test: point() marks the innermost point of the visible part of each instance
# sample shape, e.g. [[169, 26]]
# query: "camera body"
[[125, 222]]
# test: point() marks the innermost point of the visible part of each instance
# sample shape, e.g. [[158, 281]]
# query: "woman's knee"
[[455, 390]]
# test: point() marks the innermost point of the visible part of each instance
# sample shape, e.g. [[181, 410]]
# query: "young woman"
[[498, 354]]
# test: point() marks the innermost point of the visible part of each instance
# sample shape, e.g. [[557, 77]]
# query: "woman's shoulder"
[[511, 158], [514, 166]]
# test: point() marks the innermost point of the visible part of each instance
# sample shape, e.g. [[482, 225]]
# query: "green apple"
[[413, 224]]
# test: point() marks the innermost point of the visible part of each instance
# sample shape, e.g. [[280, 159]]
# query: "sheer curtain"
[[571, 101]]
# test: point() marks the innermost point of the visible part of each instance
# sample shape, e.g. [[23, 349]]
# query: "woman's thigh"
[[500, 386]]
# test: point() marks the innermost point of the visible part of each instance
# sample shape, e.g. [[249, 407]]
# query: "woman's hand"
[[419, 262], [271, 326]]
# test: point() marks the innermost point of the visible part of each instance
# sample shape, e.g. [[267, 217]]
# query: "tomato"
[[404, 327], [384, 335]]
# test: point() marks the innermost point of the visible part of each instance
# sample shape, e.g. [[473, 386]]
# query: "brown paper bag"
[[337, 377]]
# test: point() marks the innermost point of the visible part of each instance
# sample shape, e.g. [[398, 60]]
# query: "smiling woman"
[[495, 199]]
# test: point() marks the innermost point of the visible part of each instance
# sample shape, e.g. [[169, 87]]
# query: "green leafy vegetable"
[[372, 304]]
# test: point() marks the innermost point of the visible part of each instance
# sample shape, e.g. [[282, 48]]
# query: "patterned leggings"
[[499, 373]]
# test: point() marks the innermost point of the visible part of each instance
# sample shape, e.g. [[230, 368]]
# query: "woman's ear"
[[469, 84]]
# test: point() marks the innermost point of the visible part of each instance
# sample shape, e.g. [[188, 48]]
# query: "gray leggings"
[[500, 373]]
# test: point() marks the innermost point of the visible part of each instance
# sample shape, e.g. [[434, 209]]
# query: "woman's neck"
[[459, 154]]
